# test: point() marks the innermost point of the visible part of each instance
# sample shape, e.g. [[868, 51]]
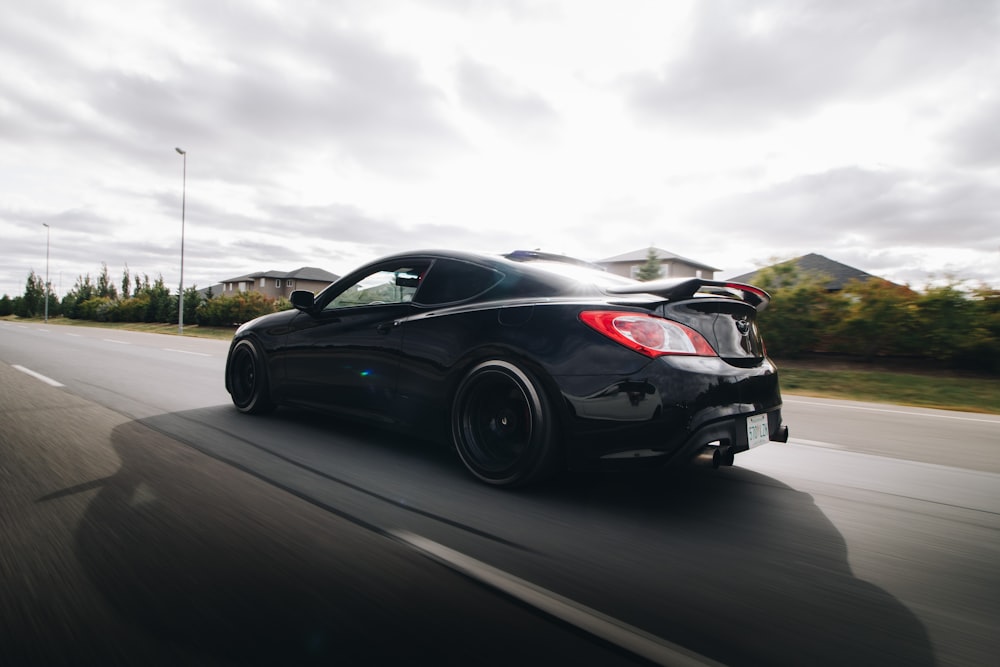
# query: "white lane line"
[[73, 335], [120, 342], [815, 443], [39, 376], [200, 354], [609, 629], [906, 413]]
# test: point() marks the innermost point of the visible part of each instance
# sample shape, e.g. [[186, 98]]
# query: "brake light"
[[648, 335]]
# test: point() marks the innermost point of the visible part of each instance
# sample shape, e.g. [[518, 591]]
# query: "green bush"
[[96, 309], [133, 309], [878, 318], [234, 310]]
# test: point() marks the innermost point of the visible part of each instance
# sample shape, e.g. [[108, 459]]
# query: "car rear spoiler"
[[675, 289]]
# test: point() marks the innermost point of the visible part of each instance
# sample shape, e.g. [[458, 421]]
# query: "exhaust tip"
[[707, 456], [714, 456], [726, 456]]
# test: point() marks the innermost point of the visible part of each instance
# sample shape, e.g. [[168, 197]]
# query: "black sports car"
[[527, 362]]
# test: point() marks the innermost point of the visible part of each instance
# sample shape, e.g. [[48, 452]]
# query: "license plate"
[[757, 430]]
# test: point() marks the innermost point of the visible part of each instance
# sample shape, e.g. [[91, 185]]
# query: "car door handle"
[[385, 327]]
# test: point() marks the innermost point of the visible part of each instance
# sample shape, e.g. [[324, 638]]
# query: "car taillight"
[[649, 335]]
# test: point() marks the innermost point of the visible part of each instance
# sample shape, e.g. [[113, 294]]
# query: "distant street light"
[[180, 294], [48, 234]]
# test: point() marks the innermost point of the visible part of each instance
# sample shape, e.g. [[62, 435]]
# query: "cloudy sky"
[[327, 133]]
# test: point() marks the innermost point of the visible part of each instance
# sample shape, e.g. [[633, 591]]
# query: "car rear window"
[[581, 274]]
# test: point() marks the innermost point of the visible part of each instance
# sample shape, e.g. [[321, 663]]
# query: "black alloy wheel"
[[503, 426], [248, 384]]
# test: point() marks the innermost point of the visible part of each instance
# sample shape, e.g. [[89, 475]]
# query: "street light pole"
[[48, 235], [180, 294]]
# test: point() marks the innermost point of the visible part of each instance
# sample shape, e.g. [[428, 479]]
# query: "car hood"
[[273, 323]]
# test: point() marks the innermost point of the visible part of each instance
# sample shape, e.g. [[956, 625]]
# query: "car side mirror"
[[303, 299]]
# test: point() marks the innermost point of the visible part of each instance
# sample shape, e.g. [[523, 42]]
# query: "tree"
[[32, 304], [141, 285], [6, 306], [192, 299], [801, 310], [162, 306], [945, 317], [83, 290], [879, 318], [981, 347], [126, 283], [105, 287], [652, 269], [53, 303]]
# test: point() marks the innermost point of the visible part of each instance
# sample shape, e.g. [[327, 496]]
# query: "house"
[[671, 265], [837, 274], [276, 284]]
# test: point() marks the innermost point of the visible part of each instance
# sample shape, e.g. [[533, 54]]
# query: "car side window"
[[386, 285], [449, 281]]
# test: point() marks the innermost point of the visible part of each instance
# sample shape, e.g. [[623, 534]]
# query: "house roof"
[[311, 273], [839, 274], [302, 273], [664, 255]]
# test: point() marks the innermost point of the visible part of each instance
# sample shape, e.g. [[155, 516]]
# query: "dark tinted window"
[[449, 280]]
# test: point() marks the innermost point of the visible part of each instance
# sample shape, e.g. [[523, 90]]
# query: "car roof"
[[532, 262], [513, 258]]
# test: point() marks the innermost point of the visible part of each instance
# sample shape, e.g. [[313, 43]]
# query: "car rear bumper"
[[669, 412]]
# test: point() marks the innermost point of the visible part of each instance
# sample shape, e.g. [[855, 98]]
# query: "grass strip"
[[194, 330], [970, 394]]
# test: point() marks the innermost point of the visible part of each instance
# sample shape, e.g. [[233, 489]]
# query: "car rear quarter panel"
[[439, 348]]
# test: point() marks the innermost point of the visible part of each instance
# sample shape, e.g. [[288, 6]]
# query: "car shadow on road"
[[757, 557], [734, 565]]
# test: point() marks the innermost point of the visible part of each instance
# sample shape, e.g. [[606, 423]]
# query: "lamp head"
[[180, 151]]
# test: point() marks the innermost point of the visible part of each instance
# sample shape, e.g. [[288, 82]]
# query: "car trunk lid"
[[725, 313]]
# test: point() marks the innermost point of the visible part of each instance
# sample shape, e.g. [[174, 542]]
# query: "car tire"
[[248, 383], [503, 425]]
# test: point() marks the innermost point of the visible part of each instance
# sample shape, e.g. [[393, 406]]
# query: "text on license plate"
[[757, 430]]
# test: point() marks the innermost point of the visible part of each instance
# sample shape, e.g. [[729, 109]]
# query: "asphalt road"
[[146, 521]]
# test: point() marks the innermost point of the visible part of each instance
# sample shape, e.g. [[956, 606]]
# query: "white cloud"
[[325, 135], [773, 61]]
